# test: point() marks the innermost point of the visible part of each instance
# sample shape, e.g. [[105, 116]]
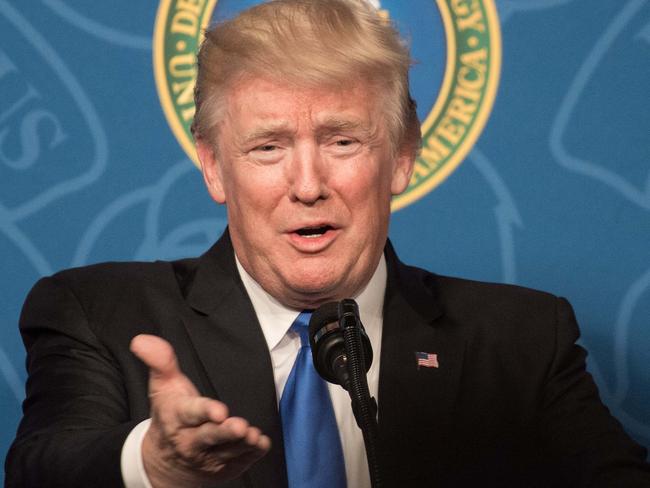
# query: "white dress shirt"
[[275, 320]]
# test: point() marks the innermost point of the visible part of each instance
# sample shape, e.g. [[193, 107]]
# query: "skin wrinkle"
[[317, 44], [327, 160], [220, 108], [328, 129], [329, 126]]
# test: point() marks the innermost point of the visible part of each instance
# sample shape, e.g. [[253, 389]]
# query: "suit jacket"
[[509, 405]]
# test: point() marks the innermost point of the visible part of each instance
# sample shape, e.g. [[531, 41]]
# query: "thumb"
[[159, 356]]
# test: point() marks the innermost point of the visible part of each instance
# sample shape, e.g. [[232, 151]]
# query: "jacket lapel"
[[230, 345], [416, 403]]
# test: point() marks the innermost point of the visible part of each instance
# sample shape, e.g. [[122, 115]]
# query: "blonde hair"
[[310, 43]]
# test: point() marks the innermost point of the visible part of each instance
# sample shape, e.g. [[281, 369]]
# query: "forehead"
[[264, 101]]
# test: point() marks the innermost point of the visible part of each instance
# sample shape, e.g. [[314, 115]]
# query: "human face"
[[307, 176]]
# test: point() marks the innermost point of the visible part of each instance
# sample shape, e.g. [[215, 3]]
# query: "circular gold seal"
[[471, 48]]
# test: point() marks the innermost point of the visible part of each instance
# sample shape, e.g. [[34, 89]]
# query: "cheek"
[[365, 173], [374, 182], [367, 195], [254, 195]]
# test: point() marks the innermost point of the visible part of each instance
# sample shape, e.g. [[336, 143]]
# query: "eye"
[[266, 148], [344, 142], [267, 153], [344, 145]]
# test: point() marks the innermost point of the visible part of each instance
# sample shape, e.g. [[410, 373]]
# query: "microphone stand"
[[363, 406]]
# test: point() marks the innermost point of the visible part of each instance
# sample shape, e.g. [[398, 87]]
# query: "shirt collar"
[[275, 318]]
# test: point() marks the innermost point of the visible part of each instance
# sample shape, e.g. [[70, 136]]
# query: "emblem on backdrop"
[[456, 45]]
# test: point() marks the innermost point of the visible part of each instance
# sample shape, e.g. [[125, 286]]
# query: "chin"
[[312, 291], [314, 287]]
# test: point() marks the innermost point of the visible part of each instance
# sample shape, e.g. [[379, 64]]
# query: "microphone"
[[326, 336], [342, 355]]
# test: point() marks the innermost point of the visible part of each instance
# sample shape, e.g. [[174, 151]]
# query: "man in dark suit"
[[170, 373]]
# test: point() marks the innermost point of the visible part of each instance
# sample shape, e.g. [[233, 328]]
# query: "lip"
[[312, 245]]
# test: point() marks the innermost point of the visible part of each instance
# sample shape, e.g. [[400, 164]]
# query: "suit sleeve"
[[76, 416], [588, 442]]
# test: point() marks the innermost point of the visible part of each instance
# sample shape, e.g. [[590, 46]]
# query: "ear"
[[402, 171], [211, 169]]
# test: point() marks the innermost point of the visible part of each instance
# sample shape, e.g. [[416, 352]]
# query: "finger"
[[217, 442], [253, 435], [156, 353], [241, 461], [264, 444], [195, 411], [225, 446], [231, 430], [258, 441], [164, 373]]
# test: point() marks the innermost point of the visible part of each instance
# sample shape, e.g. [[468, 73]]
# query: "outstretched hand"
[[191, 439]]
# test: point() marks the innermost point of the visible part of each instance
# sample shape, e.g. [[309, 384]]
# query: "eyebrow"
[[326, 127], [267, 132], [333, 125]]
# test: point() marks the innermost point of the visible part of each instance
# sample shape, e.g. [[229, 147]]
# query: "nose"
[[307, 175]]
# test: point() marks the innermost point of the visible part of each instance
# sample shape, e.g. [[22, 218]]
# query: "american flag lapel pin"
[[426, 360]]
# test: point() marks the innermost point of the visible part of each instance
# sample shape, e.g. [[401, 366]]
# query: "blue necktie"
[[312, 445]]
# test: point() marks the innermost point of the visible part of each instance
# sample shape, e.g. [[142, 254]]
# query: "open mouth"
[[312, 232]]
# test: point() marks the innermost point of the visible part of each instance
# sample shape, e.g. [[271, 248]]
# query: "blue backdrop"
[[555, 194]]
